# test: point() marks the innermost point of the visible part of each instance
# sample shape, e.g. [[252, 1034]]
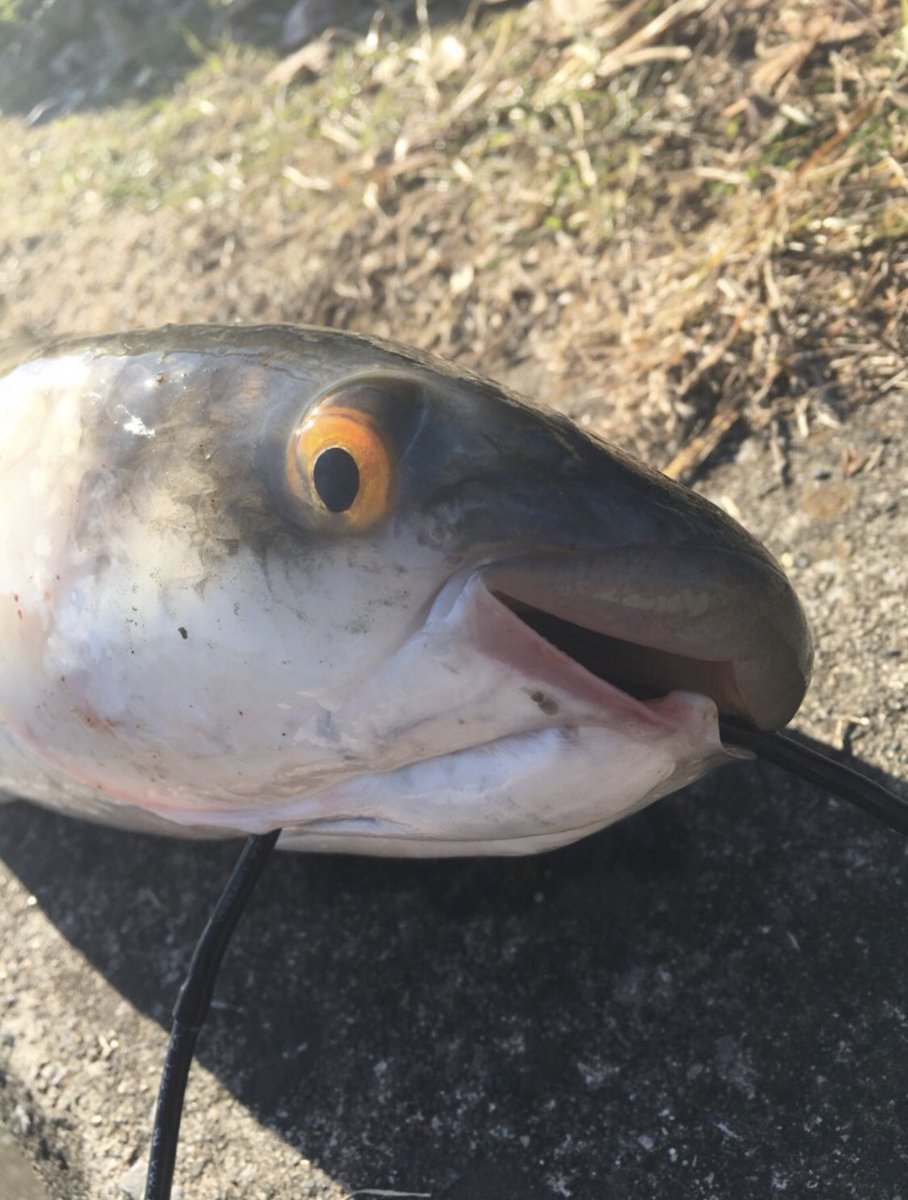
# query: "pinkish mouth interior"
[[644, 672]]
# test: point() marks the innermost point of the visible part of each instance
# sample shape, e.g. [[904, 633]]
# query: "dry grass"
[[673, 221]]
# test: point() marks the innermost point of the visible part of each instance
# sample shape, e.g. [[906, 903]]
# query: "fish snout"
[[644, 581]]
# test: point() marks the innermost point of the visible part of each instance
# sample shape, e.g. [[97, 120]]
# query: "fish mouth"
[[641, 672], [512, 720], [500, 699], [545, 729], [721, 623]]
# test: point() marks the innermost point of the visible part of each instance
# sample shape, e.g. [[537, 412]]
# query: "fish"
[[284, 577]]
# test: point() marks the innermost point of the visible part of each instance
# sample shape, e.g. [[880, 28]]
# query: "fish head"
[[298, 578]]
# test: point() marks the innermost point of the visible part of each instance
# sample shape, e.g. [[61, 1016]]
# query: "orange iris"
[[341, 463]]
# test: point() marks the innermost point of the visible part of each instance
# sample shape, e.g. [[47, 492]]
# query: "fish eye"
[[342, 466]]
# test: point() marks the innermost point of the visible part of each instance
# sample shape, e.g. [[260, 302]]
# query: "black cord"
[[816, 768], [191, 1008]]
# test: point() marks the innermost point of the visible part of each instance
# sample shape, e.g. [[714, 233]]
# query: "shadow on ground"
[[63, 56], [707, 999]]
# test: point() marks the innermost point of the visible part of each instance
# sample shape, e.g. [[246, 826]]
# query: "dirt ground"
[[687, 226]]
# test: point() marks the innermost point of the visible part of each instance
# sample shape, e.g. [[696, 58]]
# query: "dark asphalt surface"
[[712, 991]]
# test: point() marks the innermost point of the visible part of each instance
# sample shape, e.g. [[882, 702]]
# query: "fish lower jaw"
[[520, 794]]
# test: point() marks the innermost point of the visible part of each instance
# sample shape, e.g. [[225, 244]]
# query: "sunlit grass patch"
[[665, 218]]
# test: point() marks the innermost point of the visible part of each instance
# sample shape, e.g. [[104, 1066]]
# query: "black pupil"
[[336, 479]]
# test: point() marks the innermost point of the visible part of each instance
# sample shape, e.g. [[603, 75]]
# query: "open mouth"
[[644, 672], [653, 620]]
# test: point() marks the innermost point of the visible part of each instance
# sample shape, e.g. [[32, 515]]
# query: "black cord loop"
[[192, 1006]]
